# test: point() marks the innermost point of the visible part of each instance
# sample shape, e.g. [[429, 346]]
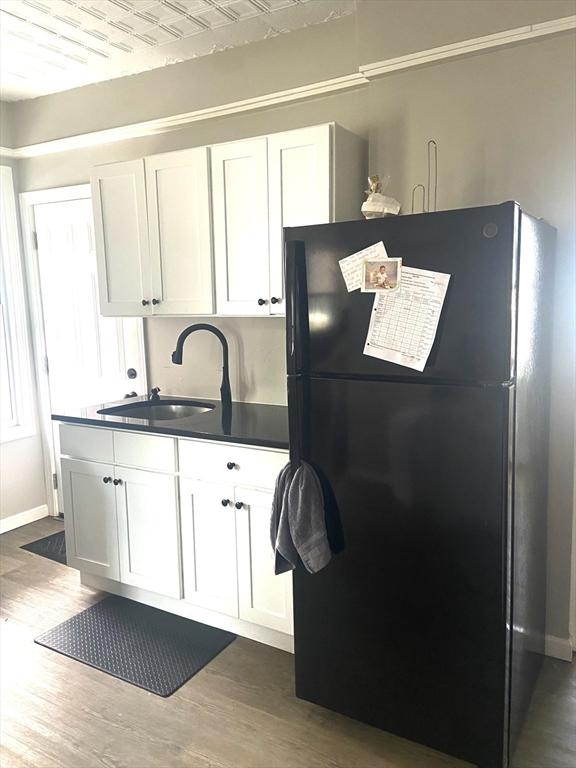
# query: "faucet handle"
[[154, 393]]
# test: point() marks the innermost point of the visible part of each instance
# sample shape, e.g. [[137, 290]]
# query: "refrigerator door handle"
[[295, 328]]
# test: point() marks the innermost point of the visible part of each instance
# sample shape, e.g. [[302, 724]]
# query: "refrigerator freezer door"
[[327, 326], [406, 628]]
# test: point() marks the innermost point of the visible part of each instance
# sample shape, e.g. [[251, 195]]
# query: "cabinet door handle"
[[225, 502], [275, 300], [155, 301], [117, 482], [231, 465], [145, 302], [239, 504], [106, 480], [261, 302]]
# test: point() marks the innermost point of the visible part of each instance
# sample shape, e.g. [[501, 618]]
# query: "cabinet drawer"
[[86, 443], [234, 464], [146, 451]]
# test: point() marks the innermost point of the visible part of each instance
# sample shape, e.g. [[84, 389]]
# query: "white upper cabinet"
[[200, 231], [307, 176], [178, 193], [153, 235], [121, 231], [240, 204], [299, 175]]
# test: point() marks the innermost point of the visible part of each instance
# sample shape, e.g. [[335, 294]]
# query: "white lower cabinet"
[[178, 524], [228, 562], [264, 598], [209, 561], [147, 510], [90, 515]]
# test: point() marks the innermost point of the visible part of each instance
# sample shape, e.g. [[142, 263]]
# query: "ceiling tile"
[[162, 13], [189, 6], [185, 26]]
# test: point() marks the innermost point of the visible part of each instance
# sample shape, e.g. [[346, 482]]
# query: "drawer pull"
[[239, 504], [106, 480], [117, 482], [225, 502], [231, 465]]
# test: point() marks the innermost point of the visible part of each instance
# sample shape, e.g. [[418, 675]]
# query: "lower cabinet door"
[[264, 598], [148, 531], [208, 526], [90, 517]]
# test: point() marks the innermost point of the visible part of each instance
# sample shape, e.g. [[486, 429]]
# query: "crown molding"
[[12, 154], [366, 73], [499, 39], [163, 124]]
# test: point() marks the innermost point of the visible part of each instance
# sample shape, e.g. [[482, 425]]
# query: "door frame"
[[33, 287]]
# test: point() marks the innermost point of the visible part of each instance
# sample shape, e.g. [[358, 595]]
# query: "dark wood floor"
[[238, 712]]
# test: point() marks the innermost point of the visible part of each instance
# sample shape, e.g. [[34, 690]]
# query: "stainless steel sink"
[[165, 410]]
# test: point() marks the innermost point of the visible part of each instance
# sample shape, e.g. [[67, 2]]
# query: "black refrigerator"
[[429, 623]]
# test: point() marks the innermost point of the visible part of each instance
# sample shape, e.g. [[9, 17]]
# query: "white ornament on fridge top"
[[377, 204]]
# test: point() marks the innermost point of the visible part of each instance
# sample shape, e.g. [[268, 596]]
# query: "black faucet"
[[153, 395], [225, 394]]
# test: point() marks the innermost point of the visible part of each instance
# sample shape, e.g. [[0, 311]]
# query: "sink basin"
[[165, 410]]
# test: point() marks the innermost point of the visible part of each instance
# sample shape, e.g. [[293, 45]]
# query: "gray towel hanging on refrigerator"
[[297, 525]]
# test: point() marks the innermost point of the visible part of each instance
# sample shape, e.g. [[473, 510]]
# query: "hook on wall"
[[414, 195], [432, 175]]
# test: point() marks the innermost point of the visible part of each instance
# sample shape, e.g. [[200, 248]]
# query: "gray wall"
[[504, 121], [6, 124], [21, 476]]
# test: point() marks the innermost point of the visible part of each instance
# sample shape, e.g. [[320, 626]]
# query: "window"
[[16, 388]]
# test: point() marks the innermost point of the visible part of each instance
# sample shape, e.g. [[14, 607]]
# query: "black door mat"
[[53, 547], [152, 649]]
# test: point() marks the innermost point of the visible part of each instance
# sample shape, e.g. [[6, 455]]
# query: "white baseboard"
[[23, 518], [558, 648]]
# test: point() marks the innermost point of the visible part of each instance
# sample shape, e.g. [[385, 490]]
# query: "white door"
[[90, 513], [88, 355], [240, 206], [149, 543], [84, 358], [264, 598], [121, 228], [208, 528], [179, 209], [300, 193]]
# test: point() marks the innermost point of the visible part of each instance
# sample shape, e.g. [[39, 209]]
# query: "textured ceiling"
[[52, 45]]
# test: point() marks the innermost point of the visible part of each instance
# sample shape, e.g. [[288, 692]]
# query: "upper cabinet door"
[[120, 226], [300, 191], [240, 205], [178, 193]]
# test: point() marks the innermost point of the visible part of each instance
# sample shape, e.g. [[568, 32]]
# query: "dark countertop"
[[251, 423]]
